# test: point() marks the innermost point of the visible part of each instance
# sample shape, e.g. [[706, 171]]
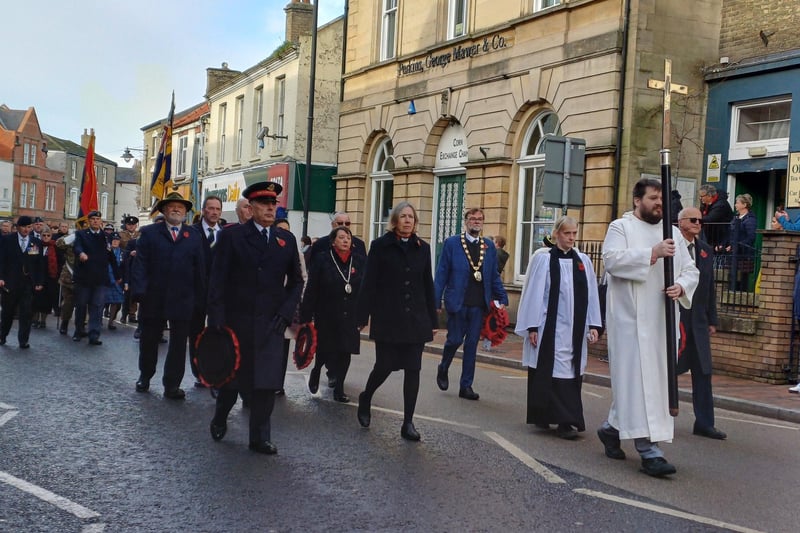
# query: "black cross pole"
[[666, 221]]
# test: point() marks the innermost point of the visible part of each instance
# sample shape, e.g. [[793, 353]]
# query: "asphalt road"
[[81, 451]]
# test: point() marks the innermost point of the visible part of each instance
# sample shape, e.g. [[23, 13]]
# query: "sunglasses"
[[694, 220], [344, 224]]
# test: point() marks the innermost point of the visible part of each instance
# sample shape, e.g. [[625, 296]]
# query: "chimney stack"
[[299, 19], [85, 137]]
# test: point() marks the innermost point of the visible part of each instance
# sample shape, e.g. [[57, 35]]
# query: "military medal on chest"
[[347, 287], [476, 269]]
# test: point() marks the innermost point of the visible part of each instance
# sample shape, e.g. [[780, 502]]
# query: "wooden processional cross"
[[666, 190]]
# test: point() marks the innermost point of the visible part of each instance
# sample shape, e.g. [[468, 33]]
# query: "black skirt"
[[399, 356], [564, 406]]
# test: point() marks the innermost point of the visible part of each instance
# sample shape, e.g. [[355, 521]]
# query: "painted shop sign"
[[457, 53]]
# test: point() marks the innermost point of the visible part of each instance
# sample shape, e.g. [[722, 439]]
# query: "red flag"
[[88, 200]]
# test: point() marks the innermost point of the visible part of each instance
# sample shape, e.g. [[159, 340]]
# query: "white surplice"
[[533, 311], [636, 326]]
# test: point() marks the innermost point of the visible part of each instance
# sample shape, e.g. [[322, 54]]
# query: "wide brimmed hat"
[[217, 356], [172, 197], [494, 325], [305, 346]]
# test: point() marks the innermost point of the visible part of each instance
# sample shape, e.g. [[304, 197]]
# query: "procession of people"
[[247, 283]]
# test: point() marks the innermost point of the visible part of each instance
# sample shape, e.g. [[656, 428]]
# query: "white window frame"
[[34, 147], [380, 178], [73, 169], [457, 27], [32, 196], [258, 118], [388, 29], [239, 110], [73, 202], [26, 154], [50, 198], [527, 217], [541, 5], [183, 150], [23, 194], [104, 173], [104, 204], [280, 110], [777, 146], [223, 119]]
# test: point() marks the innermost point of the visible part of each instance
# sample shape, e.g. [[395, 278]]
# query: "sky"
[[112, 65]]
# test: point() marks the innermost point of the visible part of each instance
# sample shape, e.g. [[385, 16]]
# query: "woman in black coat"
[[330, 301], [397, 294]]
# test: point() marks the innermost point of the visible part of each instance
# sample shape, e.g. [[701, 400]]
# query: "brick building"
[[34, 189]]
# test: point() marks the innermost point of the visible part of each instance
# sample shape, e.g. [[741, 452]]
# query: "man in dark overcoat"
[[254, 289], [93, 255], [697, 325], [209, 227], [168, 279], [467, 280], [322, 245], [21, 273]]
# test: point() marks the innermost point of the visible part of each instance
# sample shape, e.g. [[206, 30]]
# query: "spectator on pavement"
[[717, 215]]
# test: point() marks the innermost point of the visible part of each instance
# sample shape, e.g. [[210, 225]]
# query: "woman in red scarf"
[[330, 301], [46, 300]]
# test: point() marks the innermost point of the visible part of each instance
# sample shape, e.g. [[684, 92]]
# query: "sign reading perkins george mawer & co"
[[457, 53]]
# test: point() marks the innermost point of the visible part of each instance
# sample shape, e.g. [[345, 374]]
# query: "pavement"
[[734, 394]]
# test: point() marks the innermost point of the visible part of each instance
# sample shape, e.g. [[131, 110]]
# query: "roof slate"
[[72, 148]]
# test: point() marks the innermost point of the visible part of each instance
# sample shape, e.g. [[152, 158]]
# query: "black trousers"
[[21, 300], [261, 401], [175, 362]]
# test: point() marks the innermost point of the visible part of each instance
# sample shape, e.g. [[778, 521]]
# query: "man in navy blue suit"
[[21, 273], [168, 279], [468, 280]]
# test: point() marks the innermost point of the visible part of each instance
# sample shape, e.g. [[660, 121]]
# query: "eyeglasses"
[[475, 219], [694, 220]]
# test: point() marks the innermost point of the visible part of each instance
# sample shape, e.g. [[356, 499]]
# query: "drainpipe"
[[620, 107], [344, 48]]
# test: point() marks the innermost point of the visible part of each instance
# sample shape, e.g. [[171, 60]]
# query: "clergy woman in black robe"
[[559, 312]]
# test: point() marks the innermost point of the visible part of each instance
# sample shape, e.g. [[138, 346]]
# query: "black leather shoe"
[[2, 341], [441, 378], [331, 382], [409, 432], [711, 433], [175, 394], [611, 443], [142, 385], [364, 416], [280, 392], [264, 446], [566, 432], [313, 380], [112, 327], [341, 398], [95, 342], [218, 430], [657, 467], [24, 346], [76, 337], [468, 394], [542, 426], [62, 331]]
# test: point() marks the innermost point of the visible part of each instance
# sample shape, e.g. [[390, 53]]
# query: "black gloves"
[[279, 324]]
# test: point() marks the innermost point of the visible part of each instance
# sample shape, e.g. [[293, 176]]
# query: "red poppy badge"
[[581, 267], [281, 242], [185, 234], [703, 254], [353, 270]]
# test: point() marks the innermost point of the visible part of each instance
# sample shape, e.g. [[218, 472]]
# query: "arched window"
[[534, 220], [382, 188]]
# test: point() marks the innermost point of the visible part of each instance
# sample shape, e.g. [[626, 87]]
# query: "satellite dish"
[[263, 132]]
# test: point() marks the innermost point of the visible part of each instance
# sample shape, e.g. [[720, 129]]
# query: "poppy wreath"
[[494, 325], [218, 356], [305, 346]]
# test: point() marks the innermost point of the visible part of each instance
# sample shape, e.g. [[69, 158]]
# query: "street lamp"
[[127, 155]]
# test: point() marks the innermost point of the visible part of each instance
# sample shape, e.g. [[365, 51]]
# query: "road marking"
[[93, 528], [423, 417], [781, 426], [664, 510], [7, 416], [513, 377], [43, 494], [526, 459], [6, 406]]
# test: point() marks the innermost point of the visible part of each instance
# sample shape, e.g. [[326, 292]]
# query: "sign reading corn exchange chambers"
[[433, 60]]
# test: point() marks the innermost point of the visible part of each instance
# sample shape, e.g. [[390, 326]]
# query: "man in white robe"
[[633, 254]]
